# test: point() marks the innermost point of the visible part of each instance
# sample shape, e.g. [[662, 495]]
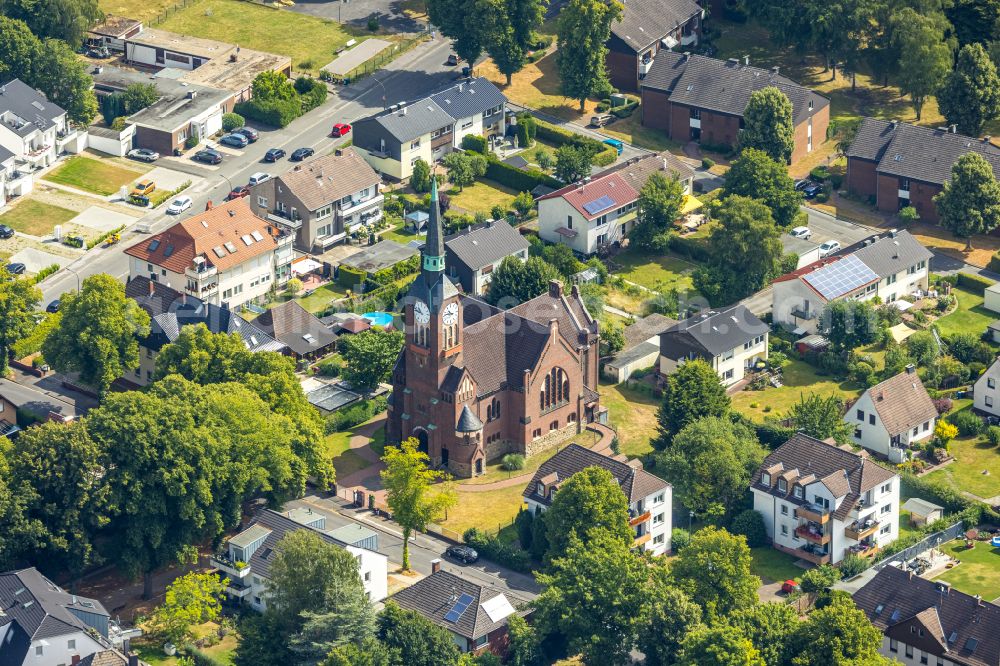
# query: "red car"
[[341, 129], [238, 193]]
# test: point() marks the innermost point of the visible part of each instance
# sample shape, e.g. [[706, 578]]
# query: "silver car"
[[143, 155]]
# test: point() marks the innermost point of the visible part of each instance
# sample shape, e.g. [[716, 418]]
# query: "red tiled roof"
[[807, 269], [580, 194]]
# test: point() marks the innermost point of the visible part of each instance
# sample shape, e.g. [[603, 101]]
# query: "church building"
[[474, 382]]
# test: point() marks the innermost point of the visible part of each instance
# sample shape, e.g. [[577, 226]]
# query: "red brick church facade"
[[474, 382]]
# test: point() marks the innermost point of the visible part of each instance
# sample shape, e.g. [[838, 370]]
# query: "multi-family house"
[[927, 622], [646, 28], [473, 253], [895, 165], [821, 502], [986, 397], [732, 341], [43, 625], [302, 333], [322, 200], [650, 498], [602, 210], [475, 615], [246, 558], [14, 182], [393, 140], [893, 417], [696, 98], [889, 266], [34, 129], [224, 256]]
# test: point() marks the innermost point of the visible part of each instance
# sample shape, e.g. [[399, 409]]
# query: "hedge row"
[[396, 272], [603, 153], [356, 414], [522, 180], [974, 283], [994, 264], [692, 248], [350, 278], [493, 549], [274, 113]]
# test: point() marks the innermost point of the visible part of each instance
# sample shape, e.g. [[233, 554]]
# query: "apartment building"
[[33, 129], [696, 98], [225, 256], [894, 417], [246, 558], [889, 266], [645, 28], [820, 502], [393, 140], [602, 210], [321, 201], [732, 341], [650, 498], [895, 164]]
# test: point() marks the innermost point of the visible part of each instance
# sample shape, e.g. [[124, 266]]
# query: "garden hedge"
[[693, 248], [522, 180], [474, 143], [350, 278], [994, 264], [974, 283]]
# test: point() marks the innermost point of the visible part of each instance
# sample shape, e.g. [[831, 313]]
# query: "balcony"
[[866, 549], [809, 555], [639, 540], [223, 562], [285, 222], [644, 67], [816, 514], [801, 313], [812, 534], [200, 271], [858, 530], [688, 40], [638, 519], [357, 205], [203, 290]]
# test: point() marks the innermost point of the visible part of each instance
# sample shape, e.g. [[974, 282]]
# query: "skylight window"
[[168, 251], [257, 236], [154, 245], [219, 252], [247, 240], [229, 246]]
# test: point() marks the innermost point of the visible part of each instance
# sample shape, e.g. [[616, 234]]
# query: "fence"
[[930, 541], [166, 13], [386, 55]]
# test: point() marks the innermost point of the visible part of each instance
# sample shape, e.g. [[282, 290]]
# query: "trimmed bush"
[[523, 523], [852, 565], [330, 367], [527, 129], [522, 180], [994, 264], [993, 435], [693, 248], [274, 113], [350, 278], [750, 524], [475, 143], [974, 283], [679, 539], [356, 414], [606, 157], [512, 462], [707, 163], [820, 173], [967, 423], [491, 548], [231, 121]]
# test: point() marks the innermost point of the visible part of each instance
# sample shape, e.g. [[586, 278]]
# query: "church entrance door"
[[444, 457], [422, 446]]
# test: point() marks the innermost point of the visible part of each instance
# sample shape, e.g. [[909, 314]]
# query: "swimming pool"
[[382, 319]]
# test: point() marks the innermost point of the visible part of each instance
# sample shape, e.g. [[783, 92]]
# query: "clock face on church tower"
[[450, 314], [421, 312]]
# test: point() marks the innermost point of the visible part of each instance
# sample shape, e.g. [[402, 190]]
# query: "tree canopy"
[[768, 125], [464, 167], [691, 392], [839, 633], [573, 162], [970, 96], [18, 299], [714, 570], [970, 201], [590, 501], [719, 645], [925, 57], [821, 417], [672, 616], [515, 281], [584, 28], [192, 599], [660, 202], [850, 324], [415, 640], [369, 357], [67, 20], [757, 176]]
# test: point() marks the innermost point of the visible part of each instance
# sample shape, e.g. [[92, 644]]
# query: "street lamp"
[[78, 288], [384, 92], [690, 519]]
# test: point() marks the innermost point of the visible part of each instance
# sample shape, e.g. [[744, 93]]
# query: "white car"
[[179, 205], [828, 247], [143, 155], [258, 178], [801, 232]]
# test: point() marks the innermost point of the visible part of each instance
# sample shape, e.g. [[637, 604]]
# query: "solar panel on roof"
[[455, 614], [597, 205], [840, 277]]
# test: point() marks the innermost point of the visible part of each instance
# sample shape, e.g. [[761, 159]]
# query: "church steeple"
[[434, 247]]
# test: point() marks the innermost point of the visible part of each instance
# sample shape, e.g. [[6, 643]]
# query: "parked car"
[[208, 156], [462, 554], [812, 189], [453, 59], [53, 306], [143, 155], [600, 120], [16, 268], [616, 144], [235, 140], [144, 187], [801, 184], [274, 154], [6, 232], [249, 133], [179, 205], [258, 178], [238, 193], [341, 129], [829, 247], [300, 154], [801, 232]]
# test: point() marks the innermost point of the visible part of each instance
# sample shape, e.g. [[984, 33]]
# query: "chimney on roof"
[[776, 70], [746, 60], [910, 369], [460, 86], [553, 327], [435, 565], [339, 152], [208, 205], [987, 139], [894, 123], [402, 111], [953, 129], [192, 94], [133, 659], [687, 56], [664, 164], [893, 233], [75, 659], [979, 600], [232, 213], [575, 290], [152, 287], [555, 288]]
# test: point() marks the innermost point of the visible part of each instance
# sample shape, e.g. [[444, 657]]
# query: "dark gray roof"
[[636, 483], [956, 626], [641, 330], [25, 110], [468, 422], [485, 245], [712, 332], [724, 85], [5, 155], [469, 98], [38, 609], [436, 595], [891, 254], [382, 254], [871, 140], [294, 326], [644, 22], [414, 120]]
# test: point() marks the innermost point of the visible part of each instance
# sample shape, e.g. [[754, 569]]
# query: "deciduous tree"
[[203, 357], [512, 40], [672, 616], [470, 24], [768, 627], [18, 299], [850, 324], [836, 634], [63, 77], [714, 570], [24, 537], [925, 57], [821, 417], [757, 176], [719, 645], [19, 50], [691, 392], [970, 201], [970, 96], [415, 639], [515, 281], [584, 29], [573, 162], [768, 124], [66, 20], [590, 501], [140, 95], [660, 202], [369, 357], [420, 179], [192, 599], [464, 167]]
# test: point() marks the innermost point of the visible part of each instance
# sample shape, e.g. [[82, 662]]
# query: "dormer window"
[[797, 491], [782, 485], [765, 479], [541, 489]]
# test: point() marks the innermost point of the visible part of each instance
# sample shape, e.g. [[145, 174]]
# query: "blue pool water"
[[382, 319]]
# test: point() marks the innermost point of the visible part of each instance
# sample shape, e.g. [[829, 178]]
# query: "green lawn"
[[402, 234], [36, 218], [633, 414], [631, 130], [318, 300], [800, 379], [969, 317], [482, 195], [102, 177], [152, 652], [905, 528], [337, 447], [972, 457], [654, 272], [309, 41], [494, 472], [490, 511], [979, 572], [773, 565]]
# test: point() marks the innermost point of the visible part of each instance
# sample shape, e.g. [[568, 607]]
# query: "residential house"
[[985, 396], [473, 253], [224, 256], [393, 140], [927, 622], [108, 658], [34, 129], [13, 182], [889, 266], [305, 337], [247, 557], [43, 625], [170, 311], [731, 340], [641, 349], [696, 98], [650, 498], [374, 258], [34, 404], [991, 297], [894, 164], [893, 417], [644, 29], [602, 210], [820, 502], [474, 614], [322, 200]]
